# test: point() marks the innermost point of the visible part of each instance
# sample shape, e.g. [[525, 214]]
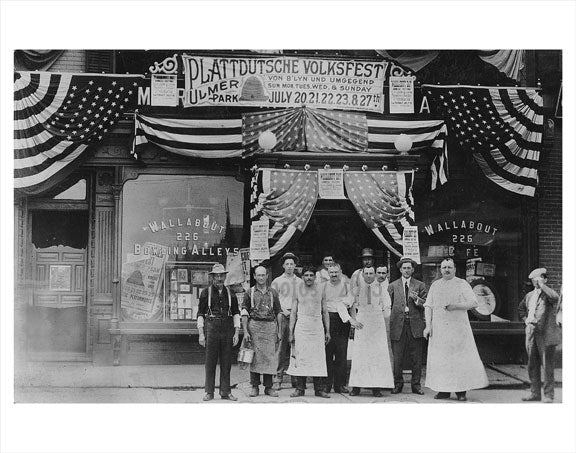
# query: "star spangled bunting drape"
[[56, 117], [287, 198], [384, 202], [501, 127], [286, 124]]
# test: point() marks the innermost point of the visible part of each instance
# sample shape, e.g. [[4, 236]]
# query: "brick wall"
[[70, 61], [550, 208]]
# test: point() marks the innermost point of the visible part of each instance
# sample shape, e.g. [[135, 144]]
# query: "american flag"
[[287, 125], [201, 137], [287, 198], [56, 117], [384, 202], [501, 127]]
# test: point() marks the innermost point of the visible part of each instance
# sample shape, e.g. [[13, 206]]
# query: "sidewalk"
[[187, 377]]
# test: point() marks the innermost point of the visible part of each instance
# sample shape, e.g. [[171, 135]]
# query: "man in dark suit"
[[407, 324], [538, 311]]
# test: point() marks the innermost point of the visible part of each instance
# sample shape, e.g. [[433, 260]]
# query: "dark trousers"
[[301, 383], [407, 343], [337, 352], [219, 333], [540, 355], [255, 380], [283, 350]]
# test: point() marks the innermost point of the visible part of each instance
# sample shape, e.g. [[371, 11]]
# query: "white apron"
[[453, 363], [308, 357], [371, 361]]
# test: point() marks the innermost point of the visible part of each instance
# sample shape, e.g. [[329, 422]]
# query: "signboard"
[[410, 243], [331, 184], [60, 278], [401, 94], [282, 81], [259, 240], [164, 90], [140, 282]]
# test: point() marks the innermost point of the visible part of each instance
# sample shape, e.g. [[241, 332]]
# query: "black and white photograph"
[[308, 231]]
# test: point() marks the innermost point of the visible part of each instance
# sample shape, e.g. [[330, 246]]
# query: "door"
[[57, 318]]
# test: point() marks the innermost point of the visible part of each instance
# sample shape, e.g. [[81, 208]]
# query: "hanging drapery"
[[384, 202], [56, 117], [35, 59], [501, 127], [508, 61], [412, 59], [287, 198]]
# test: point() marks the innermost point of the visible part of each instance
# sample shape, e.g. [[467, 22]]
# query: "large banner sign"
[[280, 81]]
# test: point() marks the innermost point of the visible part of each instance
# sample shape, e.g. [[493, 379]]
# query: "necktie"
[[368, 294], [406, 309]]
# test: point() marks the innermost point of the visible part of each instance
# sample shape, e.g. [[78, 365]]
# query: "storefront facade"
[[110, 259]]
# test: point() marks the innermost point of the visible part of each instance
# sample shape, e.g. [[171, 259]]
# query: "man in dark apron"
[[218, 328], [261, 317]]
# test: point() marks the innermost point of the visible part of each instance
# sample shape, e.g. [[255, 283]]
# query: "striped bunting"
[[205, 138], [56, 118], [384, 202], [501, 127]]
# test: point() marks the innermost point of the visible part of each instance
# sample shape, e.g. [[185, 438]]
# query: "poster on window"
[[141, 281], [259, 249], [410, 243], [401, 94], [331, 184], [164, 90]]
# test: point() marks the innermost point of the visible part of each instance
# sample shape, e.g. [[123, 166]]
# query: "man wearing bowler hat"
[[367, 257], [538, 311], [218, 328], [407, 323]]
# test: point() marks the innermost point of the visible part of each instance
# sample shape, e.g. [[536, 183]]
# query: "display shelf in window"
[[184, 281]]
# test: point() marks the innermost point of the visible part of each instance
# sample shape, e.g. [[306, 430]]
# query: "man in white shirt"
[[382, 279], [367, 257], [286, 286], [322, 275], [339, 298], [537, 310]]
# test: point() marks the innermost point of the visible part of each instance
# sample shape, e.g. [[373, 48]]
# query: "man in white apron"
[[261, 314], [371, 363]]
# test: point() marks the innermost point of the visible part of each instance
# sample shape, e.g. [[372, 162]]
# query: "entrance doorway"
[[336, 228], [56, 321]]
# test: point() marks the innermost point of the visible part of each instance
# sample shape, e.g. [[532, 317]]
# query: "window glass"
[[75, 192], [174, 228]]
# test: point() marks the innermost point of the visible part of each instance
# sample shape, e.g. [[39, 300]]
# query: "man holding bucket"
[[261, 318]]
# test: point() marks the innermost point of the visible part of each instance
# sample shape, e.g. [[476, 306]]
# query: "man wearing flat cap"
[[367, 257], [538, 311], [286, 286], [218, 329], [407, 324]]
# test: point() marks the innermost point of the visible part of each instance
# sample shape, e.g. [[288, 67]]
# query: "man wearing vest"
[[407, 324], [261, 314], [286, 286], [218, 328]]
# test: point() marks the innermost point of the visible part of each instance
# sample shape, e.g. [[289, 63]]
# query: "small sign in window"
[[60, 278]]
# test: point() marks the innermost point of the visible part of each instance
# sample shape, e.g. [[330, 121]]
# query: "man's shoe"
[[397, 389], [461, 398], [208, 397], [377, 393], [342, 389], [327, 389], [417, 391], [547, 400], [229, 397], [321, 394], [297, 393], [254, 392], [271, 392], [355, 391], [442, 396], [531, 398], [276, 386]]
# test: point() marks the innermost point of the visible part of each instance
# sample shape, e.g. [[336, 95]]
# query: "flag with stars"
[[384, 202], [56, 117], [501, 127], [287, 125], [328, 131], [287, 198]]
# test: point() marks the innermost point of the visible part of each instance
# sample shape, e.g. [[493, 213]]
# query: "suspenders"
[[210, 301]]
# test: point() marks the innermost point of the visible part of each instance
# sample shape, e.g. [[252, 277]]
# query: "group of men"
[[301, 327]]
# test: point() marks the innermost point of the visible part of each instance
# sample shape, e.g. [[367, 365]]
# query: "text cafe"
[[238, 158]]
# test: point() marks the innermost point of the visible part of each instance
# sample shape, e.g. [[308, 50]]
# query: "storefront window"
[[174, 228]]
